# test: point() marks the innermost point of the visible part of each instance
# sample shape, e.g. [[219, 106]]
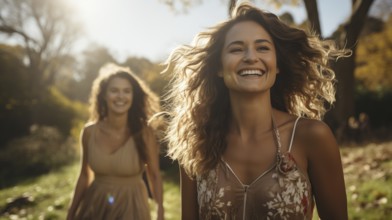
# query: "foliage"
[[78, 85], [374, 59], [45, 31], [15, 99], [80, 82], [17, 102], [57, 110], [378, 107], [44, 150], [373, 74], [149, 72]]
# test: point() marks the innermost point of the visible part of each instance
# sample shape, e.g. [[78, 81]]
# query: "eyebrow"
[[256, 41]]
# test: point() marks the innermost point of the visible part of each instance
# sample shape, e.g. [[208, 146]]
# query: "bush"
[[15, 95], [57, 110], [377, 106], [44, 150]]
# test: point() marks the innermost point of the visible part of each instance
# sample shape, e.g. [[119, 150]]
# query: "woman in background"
[[117, 146], [246, 102]]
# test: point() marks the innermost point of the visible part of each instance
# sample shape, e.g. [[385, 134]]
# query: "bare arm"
[[85, 176], [153, 171], [326, 172], [189, 204]]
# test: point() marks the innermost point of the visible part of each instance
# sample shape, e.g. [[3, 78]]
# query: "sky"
[[148, 28]]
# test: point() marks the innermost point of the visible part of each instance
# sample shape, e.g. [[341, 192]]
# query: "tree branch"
[[313, 16], [10, 31], [357, 20]]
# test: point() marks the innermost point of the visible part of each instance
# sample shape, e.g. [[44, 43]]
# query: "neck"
[[251, 114], [117, 122]]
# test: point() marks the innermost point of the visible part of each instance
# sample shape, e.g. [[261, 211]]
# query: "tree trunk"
[[313, 16], [345, 67]]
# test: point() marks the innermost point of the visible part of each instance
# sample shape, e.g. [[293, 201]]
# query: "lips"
[[251, 72], [119, 104]]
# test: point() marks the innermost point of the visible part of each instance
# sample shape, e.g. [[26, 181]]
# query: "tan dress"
[[118, 191], [281, 192]]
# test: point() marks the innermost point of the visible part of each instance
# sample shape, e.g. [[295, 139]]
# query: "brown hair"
[[144, 102], [199, 100]]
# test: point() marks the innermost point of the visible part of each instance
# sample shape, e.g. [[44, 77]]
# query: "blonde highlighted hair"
[[198, 101]]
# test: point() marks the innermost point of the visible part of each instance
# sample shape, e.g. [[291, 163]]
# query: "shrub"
[[42, 151]]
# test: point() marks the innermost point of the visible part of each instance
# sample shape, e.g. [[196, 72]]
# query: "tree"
[[149, 72], [345, 68], [374, 58], [346, 37], [93, 58], [13, 93], [46, 32]]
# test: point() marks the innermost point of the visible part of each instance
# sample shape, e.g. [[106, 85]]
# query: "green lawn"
[[368, 173], [47, 197]]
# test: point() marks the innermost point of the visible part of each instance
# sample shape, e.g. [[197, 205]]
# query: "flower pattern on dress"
[[211, 197], [294, 196], [282, 192], [290, 199]]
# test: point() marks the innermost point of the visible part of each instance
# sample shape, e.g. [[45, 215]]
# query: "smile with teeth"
[[253, 72], [119, 103]]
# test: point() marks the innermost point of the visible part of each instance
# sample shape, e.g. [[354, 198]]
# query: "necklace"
[[277, 139]]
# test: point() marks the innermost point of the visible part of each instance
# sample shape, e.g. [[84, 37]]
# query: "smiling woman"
[[246, 102], [119, 96], [117, 145], [245, 45]]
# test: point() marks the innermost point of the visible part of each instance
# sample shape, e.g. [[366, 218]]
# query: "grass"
[[368, 175], [48, 196]]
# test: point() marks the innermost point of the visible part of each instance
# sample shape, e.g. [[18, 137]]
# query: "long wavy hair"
[[198, 99], [144, 103]]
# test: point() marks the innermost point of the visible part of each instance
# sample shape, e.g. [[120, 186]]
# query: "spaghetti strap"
[[293, 134]]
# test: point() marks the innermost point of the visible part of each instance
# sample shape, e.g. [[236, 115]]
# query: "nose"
[[121, 94], [250, 56]]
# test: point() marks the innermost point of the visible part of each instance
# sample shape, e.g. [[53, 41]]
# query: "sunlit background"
[[150, 29], [52, 50]]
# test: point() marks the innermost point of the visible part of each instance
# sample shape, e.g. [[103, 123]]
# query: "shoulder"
[[89, 127], [315, 136], [88, 130], [313, 128]]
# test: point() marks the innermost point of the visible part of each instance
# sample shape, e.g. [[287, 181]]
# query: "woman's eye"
[[234, 50], [113, 90], [262, 48]]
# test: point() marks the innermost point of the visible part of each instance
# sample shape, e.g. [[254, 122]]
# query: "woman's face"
[[248, 58], [119, 95]]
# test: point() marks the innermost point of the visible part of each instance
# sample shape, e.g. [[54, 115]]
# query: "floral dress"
[[281, 192]]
